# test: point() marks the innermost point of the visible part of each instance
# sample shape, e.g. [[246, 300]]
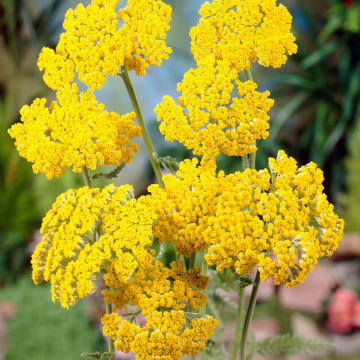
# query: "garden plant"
[[277, 220]]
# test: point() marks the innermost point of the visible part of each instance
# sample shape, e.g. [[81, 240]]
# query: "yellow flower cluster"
[[94, 46], [85, 230], [215, 122], [283, 214], [73, 133], [244, 30], [163, 294], [185, 205], [165, 335], [154, 286]]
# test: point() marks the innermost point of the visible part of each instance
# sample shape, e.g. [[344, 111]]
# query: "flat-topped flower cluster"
[[278, 220]]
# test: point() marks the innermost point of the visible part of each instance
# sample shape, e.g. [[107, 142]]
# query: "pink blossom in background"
[[340, 310], [356, 315]]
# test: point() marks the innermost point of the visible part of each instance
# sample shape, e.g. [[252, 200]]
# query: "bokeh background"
[[316, 117]]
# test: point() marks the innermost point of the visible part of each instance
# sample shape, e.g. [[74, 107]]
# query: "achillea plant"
[[278, 220]]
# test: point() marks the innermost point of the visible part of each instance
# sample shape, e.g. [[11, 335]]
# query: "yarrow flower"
[[214, 122], [73, 133], [244, 30], [163, 294], [165, 335], [154, 286], [85, 231], [282, 214], [185, 205], [94, 46]]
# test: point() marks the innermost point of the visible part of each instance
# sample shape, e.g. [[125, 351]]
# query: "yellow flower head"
[[84, 231], [154, 287], [244, 30], [94, 46], [73, 133], [185, 205], [213, 121], [166, 335], [282, 214]]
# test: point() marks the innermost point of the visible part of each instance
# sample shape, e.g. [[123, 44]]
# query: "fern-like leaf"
[[252, 345], [290, 344], [224, 279], [110, 175], [222, 301]]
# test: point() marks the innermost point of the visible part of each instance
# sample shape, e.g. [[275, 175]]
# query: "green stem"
[[249, 315], [202, 313], [248, 75], [125, 76], [192, 264], [111, 346], [252, 160], [240, 309], [86, 177]]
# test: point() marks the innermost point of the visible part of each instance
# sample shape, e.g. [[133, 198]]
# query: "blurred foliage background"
[[315, 117]]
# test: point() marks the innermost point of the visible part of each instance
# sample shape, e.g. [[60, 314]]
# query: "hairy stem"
[[86, 177], [204, 271], [125, 76], [249, 315], [111, 346], [240, 309]]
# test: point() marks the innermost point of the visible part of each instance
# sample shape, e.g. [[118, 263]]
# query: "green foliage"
[[168, 163], [18, 213], [352, 199], [252, 346], [243, 280], [110, 175], [23, 32], [215, 347], [42, 330], [318, 97], [290, 344], [223, 280]]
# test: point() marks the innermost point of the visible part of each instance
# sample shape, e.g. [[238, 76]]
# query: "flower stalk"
[[249, 315], [239, 318], [111, 345], [125, 76], [204, 271], [86, 177]]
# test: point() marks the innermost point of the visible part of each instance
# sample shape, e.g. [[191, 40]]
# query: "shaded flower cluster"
[[164, 294], [165, 335], [94, 46], [74, 133], [85, 230], [154, 286]]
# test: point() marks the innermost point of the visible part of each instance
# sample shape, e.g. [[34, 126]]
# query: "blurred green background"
[[316, 117]]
